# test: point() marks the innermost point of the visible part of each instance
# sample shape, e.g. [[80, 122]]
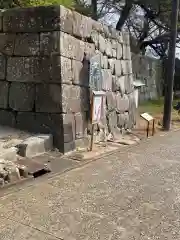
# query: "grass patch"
[[154, 106]]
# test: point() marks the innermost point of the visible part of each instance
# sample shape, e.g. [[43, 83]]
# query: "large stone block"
[[2, 67], [7, 118], [113, 32], [48, 98], [45, 18], [80, 125], [59, 43], [102, 44], [107, 80], [132, 118], [98, 26], [50, 123], [74, 99], [126, 120], [120, 38], [66, 70], [130, 67], [114, 53], [122, 103], [119, 51], [118, 68], [7, 43], [50, 43], [124, 67], [61, 126], [4, 93], [28, 69], [69, 131], [71, 47], [111, 101], [26, 121], [115, 86], [111, 65], [27, 44], [21, 96], [55, 69], [120, 120], [82, 25], [66, 20], [114, 48], [129, 87], [95, 38], [68, 147], [80, 73], [122, 84], [61, 70], [112, 122], [108, 49], [125, 37], [125, 51], [104, 61], [128, 52], [89, 50]]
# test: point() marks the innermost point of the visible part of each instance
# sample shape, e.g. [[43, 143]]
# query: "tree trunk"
[[124, 14], [94, 9]]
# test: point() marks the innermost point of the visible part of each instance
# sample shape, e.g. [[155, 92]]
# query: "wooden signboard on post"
[[96, 110], [95, 83], [148, 118]]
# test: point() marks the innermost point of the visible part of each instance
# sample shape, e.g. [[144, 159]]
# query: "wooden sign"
[[97, 104], [95, 73], [148, 118], [96, 110]]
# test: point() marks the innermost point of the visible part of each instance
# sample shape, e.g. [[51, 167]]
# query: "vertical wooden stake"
[[148, 129], [153, 127], [92, 138]]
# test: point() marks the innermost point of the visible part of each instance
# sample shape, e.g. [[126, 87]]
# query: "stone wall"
[[150, 72], [44, 69]]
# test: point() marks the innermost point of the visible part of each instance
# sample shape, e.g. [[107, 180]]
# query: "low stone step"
[[35, 145]]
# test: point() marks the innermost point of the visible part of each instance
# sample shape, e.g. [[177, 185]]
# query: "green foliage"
[[28, 3], [83, 8], [67, 3]]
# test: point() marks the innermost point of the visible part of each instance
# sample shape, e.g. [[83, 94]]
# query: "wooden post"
[[148, 129], [153, 127]]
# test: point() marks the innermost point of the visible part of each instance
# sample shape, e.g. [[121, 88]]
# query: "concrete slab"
[[33, 167], [56, 162]]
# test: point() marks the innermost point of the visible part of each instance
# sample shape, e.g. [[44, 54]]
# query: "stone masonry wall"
[[150, 72], [44, 74]]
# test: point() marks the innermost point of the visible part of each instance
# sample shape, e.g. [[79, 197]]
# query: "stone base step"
[[35, 145]]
